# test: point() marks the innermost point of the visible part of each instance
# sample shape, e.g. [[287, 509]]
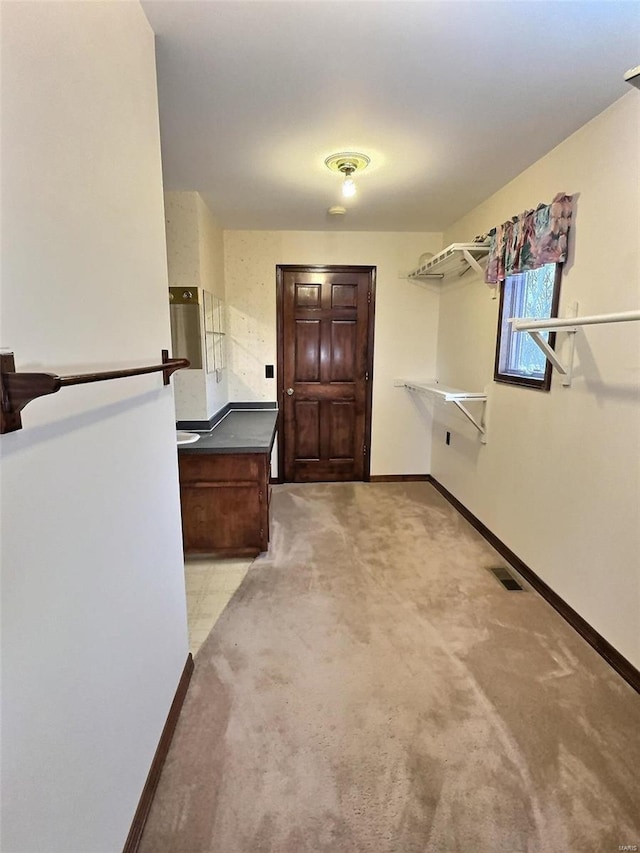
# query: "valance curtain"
[[529, 241]]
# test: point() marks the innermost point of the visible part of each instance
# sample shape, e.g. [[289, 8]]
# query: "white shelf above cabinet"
[[450, 395], [458, 258]]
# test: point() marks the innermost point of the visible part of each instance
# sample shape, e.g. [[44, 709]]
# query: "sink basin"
[[186, 437]]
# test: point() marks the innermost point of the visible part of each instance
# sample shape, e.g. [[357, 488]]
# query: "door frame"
[[371, 304]]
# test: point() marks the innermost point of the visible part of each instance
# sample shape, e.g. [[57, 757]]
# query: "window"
[[535, 294]]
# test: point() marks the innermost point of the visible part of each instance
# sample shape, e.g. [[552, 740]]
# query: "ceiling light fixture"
[[347, 163], [348, 185]]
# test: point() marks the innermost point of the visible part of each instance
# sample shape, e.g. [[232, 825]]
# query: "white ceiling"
[[449, 99]]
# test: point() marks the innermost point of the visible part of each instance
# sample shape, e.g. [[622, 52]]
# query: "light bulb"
[[348, 187]]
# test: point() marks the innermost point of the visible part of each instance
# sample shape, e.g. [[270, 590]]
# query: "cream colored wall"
[[405, 327], [559, 479], [183, 243], [183, 262], [94, 634], [211, 251], [195, 259]]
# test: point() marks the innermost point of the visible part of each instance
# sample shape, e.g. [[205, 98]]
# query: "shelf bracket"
[[471, 261], [451, 395], [565, 370], [469, 416]]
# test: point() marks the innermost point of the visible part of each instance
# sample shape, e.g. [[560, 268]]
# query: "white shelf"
[[451, 395], [457, 258]]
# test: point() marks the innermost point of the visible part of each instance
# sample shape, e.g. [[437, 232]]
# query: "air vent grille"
[[506, 579]]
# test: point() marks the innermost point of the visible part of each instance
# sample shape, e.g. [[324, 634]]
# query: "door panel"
[[325, 355], [344, 296], [307, 437], [342, 424], [308, 295], [343, 351], [307, 351]]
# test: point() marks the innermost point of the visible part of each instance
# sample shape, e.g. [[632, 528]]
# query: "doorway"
[[325, 372]]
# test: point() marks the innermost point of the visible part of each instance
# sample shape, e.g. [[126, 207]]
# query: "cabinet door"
[[222, 517]]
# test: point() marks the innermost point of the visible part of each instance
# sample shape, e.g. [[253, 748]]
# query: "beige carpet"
[[371, 688]]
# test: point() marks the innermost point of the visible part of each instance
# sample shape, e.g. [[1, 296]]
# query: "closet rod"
[[18, 389], [521, 325]]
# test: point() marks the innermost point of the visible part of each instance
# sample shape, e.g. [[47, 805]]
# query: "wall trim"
[[604, 648], [399, 478], [148, 792]]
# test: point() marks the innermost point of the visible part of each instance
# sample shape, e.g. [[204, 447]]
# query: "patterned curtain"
[[531, 240]]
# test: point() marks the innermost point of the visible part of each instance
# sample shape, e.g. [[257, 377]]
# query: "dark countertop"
[[241, 431]]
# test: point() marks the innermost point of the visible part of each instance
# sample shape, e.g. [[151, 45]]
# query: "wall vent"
[[506, 579]]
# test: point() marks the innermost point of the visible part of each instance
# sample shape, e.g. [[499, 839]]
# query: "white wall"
[[559, 479], [405, 327], [195, 259], [93, 606]]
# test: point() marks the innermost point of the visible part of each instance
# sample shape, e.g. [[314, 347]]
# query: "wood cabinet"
[[225, 503]]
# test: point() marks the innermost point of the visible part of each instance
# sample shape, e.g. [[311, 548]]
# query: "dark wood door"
[[325, 362]]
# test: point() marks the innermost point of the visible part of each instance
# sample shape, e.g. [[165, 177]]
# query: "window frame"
[[543, 384]]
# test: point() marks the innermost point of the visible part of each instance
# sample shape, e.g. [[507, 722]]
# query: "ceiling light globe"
[[348, 188]]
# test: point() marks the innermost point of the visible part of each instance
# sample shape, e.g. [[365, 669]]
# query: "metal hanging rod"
[[535, 328], [18, 389]]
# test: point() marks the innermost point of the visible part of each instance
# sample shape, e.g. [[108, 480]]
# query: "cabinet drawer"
[[216, 467]]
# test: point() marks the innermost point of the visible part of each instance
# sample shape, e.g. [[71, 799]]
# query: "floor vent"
[[506, 579]]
